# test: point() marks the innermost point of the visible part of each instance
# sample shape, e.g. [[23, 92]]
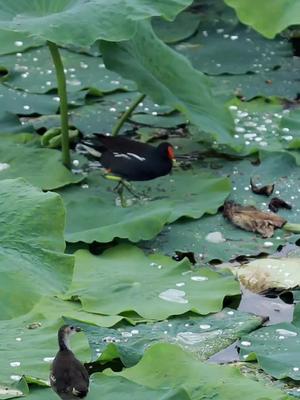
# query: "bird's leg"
[[128, 186], [120, 190], [122, 183]]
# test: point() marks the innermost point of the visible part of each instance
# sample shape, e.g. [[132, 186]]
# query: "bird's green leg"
[[122, 182], [120, 190], [128, 186]]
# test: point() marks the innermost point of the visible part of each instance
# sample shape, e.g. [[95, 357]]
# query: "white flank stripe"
[[136, 156], [121, 155]]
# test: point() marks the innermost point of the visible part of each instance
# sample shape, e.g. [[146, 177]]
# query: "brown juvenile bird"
[[68, 377]]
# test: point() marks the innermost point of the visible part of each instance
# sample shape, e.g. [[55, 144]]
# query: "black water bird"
[[132, 160], [68, 378]]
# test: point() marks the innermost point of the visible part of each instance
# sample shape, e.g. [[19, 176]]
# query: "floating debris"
[[263, 190], [277, 203]]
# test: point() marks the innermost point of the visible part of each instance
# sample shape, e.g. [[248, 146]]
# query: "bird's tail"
[[91, 145]]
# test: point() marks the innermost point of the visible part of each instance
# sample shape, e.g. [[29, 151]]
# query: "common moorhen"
[[68, 377], [132, 160]]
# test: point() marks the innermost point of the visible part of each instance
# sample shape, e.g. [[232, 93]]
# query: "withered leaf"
[[264, 190], [252, 220], [277, 203]]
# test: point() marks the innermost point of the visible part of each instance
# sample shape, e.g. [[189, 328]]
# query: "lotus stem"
[[295, 228], [121, 121], [62, 93]]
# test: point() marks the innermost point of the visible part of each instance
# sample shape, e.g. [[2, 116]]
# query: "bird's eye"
[[72, 328]]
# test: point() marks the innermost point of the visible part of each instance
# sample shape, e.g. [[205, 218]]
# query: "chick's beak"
[[77, 329]]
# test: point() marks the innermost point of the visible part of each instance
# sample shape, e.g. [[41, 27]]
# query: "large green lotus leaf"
[[54, 307], [98, 117], [167, 365], [22, 156], [258, 126], [164, 200], [16, 41], [221, 47], [280, 82], [146, 285], [64, 21], [105, 219], [112, 387], [159, 121], [102, 115], [267, 273], [32, 262], [9, 122], [183, 26], [33, 71], [212, 237], [290, 124], [203, 336], [20, 102], [158, 72], [269, 17]]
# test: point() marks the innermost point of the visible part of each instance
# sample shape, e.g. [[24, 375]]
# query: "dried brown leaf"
[[250, 219]]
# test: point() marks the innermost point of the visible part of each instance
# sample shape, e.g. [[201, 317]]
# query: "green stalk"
[[62, 93], [127, 114], [295, 228]]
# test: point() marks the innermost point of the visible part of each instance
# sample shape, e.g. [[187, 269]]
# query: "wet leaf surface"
[[168, 365], [163, 200], [275, 348], [154, 287], [195, 236], [202, 336]]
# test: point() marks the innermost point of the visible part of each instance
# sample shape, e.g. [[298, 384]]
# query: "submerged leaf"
[[252, 220]]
